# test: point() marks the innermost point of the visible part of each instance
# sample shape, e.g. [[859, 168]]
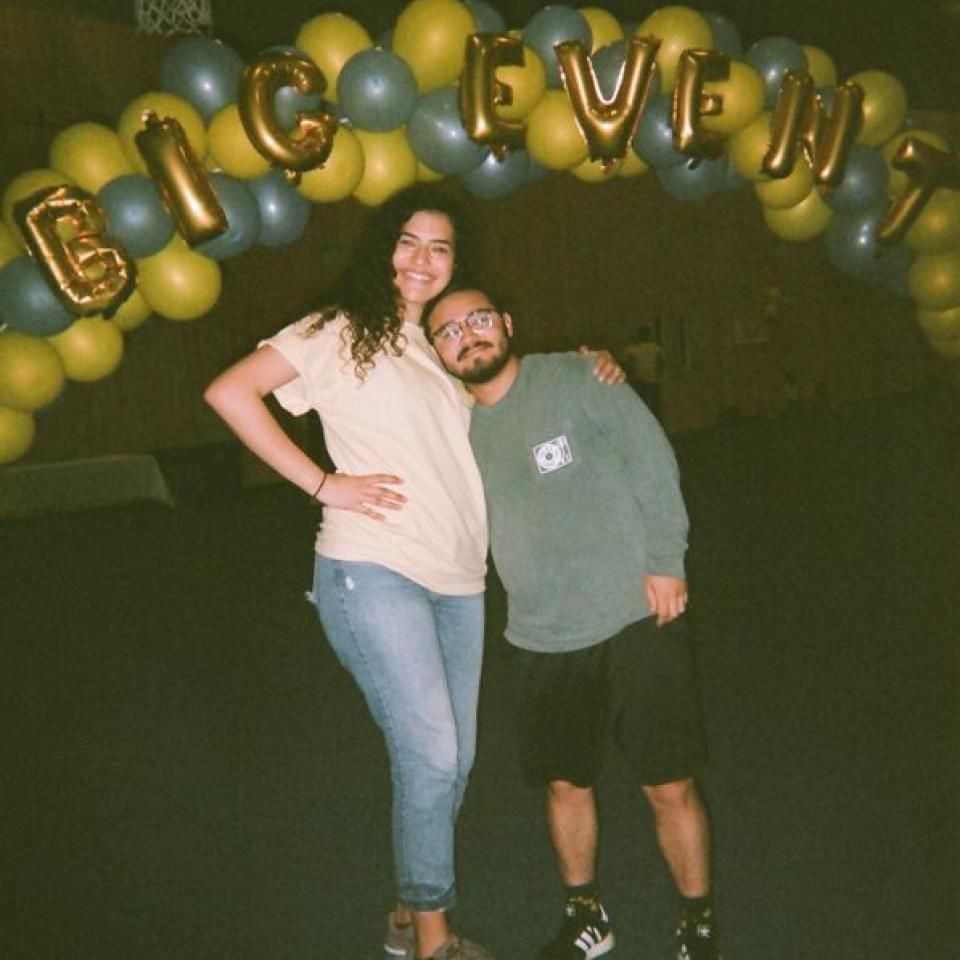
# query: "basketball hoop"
[[169, 17]]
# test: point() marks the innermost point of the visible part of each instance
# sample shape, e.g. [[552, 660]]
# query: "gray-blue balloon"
[[850, 241], [377, 90], [27, 302], [608, 64], [726, 37], [485, 17], [555, 23], [284, 212], [243, 218], [694, 180], [135, 214], [495, 179], [772, 57], [653, 141], [864, 182], [437, 135], [205, 72], [289, 101], [731, 179]]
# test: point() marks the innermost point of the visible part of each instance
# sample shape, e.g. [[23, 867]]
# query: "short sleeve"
[[300, 348]]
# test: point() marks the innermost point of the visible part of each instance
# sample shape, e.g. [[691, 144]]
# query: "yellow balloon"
[[90, 348], [747, 147], [678, 29], [163, 105], [742, 94], [426, 175], [527, 85], [431, 35], [821, 67], [389, 165], [632, 165], [800, 222], [133, 313], [179, 283], [941, 324], [339, 175], [787, 191], [937, 228], [9, 247], [330, 40], [604, 27], [934, 280], [90, 154], [884, 106], [230, 148], [593, 171], [897, 180], [17, 430], [946, 347], [553, 138], [21, 187], [31, 374]]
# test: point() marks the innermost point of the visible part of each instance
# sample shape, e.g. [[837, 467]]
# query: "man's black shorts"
[[638, 686]]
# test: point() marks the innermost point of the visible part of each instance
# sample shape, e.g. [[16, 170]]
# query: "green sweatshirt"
[[583, 500]]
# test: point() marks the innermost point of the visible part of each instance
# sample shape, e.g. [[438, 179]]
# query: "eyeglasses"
[[483, 318]]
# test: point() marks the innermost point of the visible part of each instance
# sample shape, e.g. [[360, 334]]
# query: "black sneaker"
[[697, 940], [584, 934]]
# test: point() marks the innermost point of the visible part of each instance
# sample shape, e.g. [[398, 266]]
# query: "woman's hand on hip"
[[366, 494]]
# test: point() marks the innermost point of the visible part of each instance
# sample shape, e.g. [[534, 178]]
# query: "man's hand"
[[605, 368], [666, 596]]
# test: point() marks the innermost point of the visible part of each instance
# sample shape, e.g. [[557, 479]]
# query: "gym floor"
[[190, 774]]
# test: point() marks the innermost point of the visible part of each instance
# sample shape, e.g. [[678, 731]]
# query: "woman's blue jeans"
[[416, 656]]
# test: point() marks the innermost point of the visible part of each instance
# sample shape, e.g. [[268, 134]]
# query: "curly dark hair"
[[368, 294]]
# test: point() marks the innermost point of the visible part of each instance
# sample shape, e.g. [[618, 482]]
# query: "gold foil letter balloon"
[[608, 125], [926, 168], [695, 68], [481, 93], [800, 121], [310, 144], [181, 180], [65, 232]]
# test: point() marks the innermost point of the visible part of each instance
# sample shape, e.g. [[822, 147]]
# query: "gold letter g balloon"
[[315, 128]]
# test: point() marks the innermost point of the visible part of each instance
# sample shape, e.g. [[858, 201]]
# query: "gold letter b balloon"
[[65, 232]]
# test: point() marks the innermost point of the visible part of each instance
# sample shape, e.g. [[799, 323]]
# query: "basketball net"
[[168, 17]]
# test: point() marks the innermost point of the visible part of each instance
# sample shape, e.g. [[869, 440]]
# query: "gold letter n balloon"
[[799, 120], [65, 232]]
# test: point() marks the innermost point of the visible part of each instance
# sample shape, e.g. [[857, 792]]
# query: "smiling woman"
[[399, 576], [424, 258]]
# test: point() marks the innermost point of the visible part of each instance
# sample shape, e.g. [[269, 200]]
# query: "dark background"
[[917, 42]]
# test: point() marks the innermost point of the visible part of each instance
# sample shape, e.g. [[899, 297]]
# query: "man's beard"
[[486, 369]]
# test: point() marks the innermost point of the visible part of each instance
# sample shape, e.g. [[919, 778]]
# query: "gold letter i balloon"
[[181, 180]]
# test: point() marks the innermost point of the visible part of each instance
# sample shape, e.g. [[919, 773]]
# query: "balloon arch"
[[225, 155]]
